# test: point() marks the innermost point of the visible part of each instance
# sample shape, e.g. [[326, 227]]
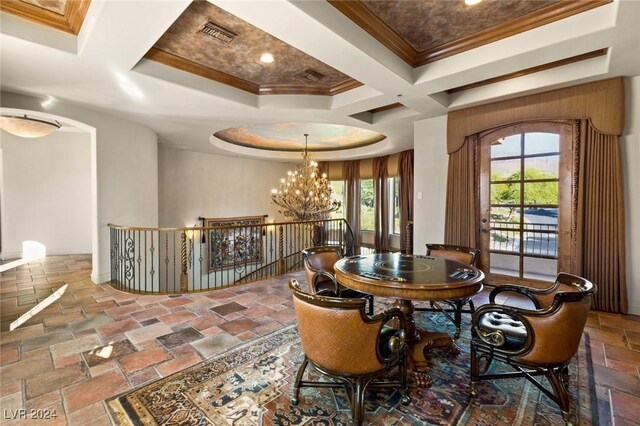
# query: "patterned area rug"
[[251, 385]]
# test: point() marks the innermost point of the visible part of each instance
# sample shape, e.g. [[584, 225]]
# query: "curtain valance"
[[602, 102]]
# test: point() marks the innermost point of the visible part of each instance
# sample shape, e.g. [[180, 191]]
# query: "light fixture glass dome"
[[28, 127]]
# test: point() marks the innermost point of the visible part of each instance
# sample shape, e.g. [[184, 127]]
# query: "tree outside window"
[[367, 205]]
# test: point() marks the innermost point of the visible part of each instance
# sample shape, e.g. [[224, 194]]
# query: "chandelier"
[[304, 194]]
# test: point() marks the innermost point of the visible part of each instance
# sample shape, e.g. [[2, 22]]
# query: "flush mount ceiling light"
[[28, 127], [471, 2], [267, 58]]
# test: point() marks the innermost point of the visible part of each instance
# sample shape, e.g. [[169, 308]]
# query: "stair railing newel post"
[[184, 278]]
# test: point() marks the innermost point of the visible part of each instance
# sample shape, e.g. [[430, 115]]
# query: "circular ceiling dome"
[[290, 136]]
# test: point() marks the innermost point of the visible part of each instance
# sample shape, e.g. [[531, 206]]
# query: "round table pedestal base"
[[420, 341], [418, 362]]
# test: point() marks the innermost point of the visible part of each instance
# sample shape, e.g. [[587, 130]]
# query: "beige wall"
[[195, 184], [631, 165], [46, 193], [430, 181]]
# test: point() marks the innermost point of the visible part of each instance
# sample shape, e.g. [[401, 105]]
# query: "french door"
[[525, 202]]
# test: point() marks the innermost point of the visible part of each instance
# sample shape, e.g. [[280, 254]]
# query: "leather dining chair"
[[341, 342], [534, 342], [318, 264], [466, 255]]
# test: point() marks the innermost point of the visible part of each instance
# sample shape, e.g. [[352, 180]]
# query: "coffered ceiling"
[[425, 31], [64, 15], [191, 69]]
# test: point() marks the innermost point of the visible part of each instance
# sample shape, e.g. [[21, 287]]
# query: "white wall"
[[124, 157], [631, 160], [430, 180], [47, 193], [196, 184]]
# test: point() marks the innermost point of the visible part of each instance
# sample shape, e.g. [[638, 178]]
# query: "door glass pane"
[[505, 217], [539, 143], [505, 264], [546, 167], [541, 218], [505, 170], [542, 243], [506, 147], [540, 269], [505, 237], [505, 193], [541, 193]]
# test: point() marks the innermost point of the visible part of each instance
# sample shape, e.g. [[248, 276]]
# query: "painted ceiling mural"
[[290, 136]]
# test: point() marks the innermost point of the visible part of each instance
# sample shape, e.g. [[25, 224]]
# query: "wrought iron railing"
[[538, 239], [183, 260]]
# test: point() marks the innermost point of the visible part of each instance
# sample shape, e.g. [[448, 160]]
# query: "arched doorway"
[[525, 201]]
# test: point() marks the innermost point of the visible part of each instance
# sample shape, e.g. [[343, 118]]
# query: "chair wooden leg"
[[296, 385]]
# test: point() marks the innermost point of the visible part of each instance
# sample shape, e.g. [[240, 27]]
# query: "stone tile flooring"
[[96, 342]]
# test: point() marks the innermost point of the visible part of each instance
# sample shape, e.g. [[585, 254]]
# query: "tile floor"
[[96, 342]]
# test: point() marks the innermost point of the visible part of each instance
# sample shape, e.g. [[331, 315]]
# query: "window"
[[337, 194], [367, 208], [394, 205]]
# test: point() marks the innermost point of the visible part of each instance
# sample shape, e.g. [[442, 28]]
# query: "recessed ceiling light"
[[471, 2], [267, 58]]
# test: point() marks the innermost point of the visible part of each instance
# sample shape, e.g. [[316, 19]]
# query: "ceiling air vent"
[[218, 32], [311, 75]]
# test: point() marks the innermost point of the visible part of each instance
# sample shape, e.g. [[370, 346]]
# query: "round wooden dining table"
[[411, 277]]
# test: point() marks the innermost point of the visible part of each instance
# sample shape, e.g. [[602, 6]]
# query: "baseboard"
[[100, 278], [634, 310], [63, 251], [11, 255]]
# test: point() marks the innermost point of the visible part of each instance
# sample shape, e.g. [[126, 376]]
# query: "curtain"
[[351, 174], [323, 167], [600, 237], [462, 209], [381, 202], [405, 174]]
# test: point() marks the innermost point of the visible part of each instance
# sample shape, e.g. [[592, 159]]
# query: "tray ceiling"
[[290, 136], [423, 31], [64, 15], [213, 43], [56, 6]]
